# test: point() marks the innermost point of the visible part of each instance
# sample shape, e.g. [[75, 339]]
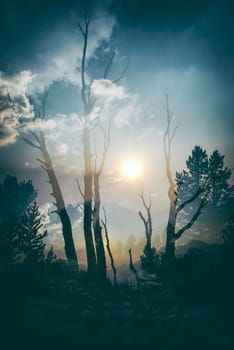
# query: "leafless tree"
[[97, 229], [92, 176], [88, 104], [46, 164], [146, 221]]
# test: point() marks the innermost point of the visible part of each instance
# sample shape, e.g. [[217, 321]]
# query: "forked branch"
[[147, 221], [104, 223]]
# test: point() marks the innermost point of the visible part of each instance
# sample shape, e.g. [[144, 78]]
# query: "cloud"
[[15, 107], [106, 88], [127, 111], [63, 135], [62, 149], [62, 61]]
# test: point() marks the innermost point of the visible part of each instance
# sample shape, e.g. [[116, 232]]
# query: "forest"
[[95, 254]]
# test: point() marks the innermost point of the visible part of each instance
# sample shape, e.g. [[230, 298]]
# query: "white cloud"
[[62, 149], [106, 88], [45, 209], [15, 107], [128, 111]]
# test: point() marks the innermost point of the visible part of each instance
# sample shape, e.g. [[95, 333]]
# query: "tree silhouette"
[[97, 171], [204, 182], [219, 177], [149, 259], [47, 165], [94, 259], [104, 223], [31, 240], [51, 257], [202, 173], [88, 103], [15, 197]]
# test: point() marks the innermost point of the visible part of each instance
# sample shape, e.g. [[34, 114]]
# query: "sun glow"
[[131, 168]]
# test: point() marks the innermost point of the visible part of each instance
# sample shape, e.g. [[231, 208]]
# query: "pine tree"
[[197, 165], [51, 257], [219, 177], [205, 183], [15, 197], [31, 239], [149, 259], [195, 177]]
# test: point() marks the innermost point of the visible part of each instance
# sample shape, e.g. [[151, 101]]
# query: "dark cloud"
[[24, 24]]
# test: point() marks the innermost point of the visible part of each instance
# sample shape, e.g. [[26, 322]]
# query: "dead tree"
[[89, 101], [97, 229], [171, 234], [149, 258], [46, 164], [104, 223], [146, 221]]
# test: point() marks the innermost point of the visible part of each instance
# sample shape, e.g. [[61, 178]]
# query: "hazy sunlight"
[[131, 168]]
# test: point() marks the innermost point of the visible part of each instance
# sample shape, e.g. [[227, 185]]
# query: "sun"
[[131, 168]]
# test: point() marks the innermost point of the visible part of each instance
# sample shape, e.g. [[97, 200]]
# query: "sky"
[[180, 48]]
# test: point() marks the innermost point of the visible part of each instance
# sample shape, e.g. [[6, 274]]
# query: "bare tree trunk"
[[101, 259], [147, 221], [47, 165], [172, 235], [170, 238], [88, 101], [87, 224], [104, 223]]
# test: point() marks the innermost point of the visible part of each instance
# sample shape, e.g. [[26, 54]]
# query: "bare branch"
[[80, 206], [192, 221], [84, 32], [44, 168], [191, 199], [173, 133], [31, 143], [80, 28], [105, 147], [109, 66], [104, 223], [79, 188], [167, 140], [54, 212], [41, 161], [43, 104], [35, 137], [87, 19], [123, 72], [147, 207], [142, 218], [147, 222]]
